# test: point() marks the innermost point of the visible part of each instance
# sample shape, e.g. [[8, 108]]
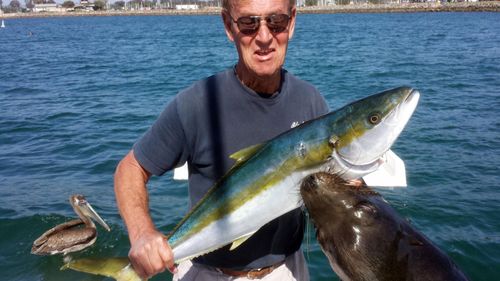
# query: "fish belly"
[[246, 220]]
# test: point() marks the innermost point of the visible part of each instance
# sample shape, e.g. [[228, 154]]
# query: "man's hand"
[[150, 254]]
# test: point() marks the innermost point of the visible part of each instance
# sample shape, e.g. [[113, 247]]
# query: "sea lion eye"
[[366, 207], [374, 118], [366, 213]]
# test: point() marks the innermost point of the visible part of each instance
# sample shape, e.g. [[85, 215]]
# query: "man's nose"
[[264, 34]]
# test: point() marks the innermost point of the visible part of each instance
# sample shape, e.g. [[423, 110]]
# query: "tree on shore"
[[147, 3], [119, 5], [136, 4], [99, 5], [29, 4], [15, 5], [68, 4]]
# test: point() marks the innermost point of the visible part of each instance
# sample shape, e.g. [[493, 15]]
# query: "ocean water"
[[75, 93]]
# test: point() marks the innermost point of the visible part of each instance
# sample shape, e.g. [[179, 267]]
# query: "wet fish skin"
[[365, 239], [117, 268]]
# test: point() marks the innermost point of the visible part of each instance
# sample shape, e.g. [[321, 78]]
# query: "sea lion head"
[[353, 223], [329, 198]]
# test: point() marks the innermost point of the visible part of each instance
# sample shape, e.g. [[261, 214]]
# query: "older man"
[[247, 104]]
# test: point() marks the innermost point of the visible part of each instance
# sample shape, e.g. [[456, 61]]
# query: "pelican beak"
[[90, 212]]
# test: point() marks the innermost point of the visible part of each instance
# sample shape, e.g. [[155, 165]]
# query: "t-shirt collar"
[[263, 95]]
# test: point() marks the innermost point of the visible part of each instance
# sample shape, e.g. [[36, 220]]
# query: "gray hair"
[[226, 4]]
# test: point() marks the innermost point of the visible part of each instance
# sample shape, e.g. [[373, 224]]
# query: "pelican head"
[[85, 211]]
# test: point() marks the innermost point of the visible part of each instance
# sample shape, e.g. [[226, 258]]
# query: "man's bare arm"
[[149, 253]]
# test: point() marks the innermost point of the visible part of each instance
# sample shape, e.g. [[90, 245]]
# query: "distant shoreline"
[[490, 6]]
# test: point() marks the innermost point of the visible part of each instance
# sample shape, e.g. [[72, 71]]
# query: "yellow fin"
[[239, 241], [117, 268], [246, 153]]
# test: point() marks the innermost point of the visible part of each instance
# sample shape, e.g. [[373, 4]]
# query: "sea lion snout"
[[314, 181], [321, 179], [309, 183]]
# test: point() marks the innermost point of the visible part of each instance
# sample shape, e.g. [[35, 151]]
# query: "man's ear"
[[291, 28], [226, 19]]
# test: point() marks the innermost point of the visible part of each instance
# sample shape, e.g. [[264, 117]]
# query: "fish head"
[[83, 208], [368, 127]]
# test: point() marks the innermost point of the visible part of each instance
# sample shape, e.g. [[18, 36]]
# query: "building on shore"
[[186, 7], [47, 7], [85, 5]]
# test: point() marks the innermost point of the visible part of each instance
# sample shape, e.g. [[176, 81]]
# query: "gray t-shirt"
[[211, 120]]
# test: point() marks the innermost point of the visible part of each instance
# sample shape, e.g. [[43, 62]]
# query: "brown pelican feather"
[[71, 236]]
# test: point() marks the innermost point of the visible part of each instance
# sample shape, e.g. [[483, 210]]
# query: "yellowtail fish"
[[265, 181]]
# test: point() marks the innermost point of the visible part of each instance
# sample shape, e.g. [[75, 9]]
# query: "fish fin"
[[236, 243], [117, 268], [391, 173], [246, 153], [182, 173]]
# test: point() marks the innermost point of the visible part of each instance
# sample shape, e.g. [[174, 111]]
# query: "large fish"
[[264, 183], [365, 239]]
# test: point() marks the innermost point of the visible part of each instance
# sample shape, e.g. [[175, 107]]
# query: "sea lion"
[[365, 239]]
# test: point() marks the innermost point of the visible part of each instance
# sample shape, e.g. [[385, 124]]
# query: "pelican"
[[71, 236]]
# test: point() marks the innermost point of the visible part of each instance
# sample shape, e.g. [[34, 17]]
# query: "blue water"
[[75, 93]]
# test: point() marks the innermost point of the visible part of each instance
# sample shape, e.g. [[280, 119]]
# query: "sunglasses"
[[249, 25]]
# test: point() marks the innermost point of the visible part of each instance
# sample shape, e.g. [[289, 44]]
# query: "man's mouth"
[[264, 52]]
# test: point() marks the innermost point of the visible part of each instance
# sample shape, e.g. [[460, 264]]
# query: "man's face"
[[263, 53]]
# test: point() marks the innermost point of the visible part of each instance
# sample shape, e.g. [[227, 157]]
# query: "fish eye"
[[374, 118]]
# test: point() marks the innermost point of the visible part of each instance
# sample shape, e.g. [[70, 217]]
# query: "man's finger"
[[173, 269], [139, 269], [166, 255], [141, 263]]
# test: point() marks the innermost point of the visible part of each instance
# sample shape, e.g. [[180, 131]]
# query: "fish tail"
[[118, 268]]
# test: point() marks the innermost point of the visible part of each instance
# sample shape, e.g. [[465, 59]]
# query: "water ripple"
[[78, 92]]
